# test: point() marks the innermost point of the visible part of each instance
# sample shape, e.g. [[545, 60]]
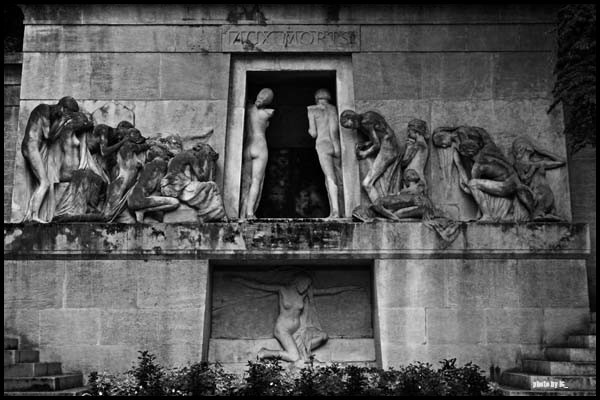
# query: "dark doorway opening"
[[294, 185]]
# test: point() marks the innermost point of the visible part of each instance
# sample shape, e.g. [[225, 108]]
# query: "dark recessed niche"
[[294, 185]]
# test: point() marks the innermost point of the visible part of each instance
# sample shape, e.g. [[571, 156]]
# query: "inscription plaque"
[[290, 38]]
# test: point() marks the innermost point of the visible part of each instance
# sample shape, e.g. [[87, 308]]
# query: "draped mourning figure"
[[486, 174], [108, 174], [531, 164]]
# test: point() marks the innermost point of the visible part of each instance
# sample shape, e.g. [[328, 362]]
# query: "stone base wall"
[[91, 296]]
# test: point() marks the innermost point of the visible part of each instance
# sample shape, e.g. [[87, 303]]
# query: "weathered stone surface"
[[12, 73], [194, 76], [300, 239], [559, 323], [69, 326], [482, 284], [181, 284], [384, 76], [110, 113], [402, 325], [79, 357], [458, 37], [101, 284], [121, 38], [457, 76], [151, 327], [523, 75], [411, 283], [551, 283], [23, 323], [519, 326], [33, 284], [134, 76], [11, 95], [453, 326], [71, 74]]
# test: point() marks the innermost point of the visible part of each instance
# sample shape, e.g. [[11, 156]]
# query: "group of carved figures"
[[112, 174], [396, 185], [116, 174]]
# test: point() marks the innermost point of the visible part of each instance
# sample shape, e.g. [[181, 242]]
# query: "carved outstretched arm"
[[409, 154], [335, 290], [256, 285], [107, 150]]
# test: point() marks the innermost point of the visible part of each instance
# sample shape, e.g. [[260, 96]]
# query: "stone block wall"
[[95, 315], [12, 89], [491, 311], [92, 296]]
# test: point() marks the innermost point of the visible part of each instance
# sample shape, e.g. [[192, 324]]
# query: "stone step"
[[506, 391], [43, 383], [33, 369], [582, 341], [78, 391], [570, 354], [544, 367], [522, 380], [20, 356], [11, 343]]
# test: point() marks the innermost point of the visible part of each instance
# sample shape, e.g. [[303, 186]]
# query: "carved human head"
[[322, 94], [471, 140], [417, 127], [302, 282], [522, 146], [349, 119], [101, 133], [264, 97], [135, 136], [68, 103], [444, 137], [411, 176]]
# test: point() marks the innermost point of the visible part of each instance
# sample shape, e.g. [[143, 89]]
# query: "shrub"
[[269, 378]]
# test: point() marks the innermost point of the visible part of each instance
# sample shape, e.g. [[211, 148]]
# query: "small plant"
[[269, 378], [149, 375]]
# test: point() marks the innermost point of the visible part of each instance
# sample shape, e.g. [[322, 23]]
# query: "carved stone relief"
[[100, 173]]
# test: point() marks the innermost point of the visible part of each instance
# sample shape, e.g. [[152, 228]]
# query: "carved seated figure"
[[493, 182], [410, 202], [145, 196], [531, 164], [190, 178]]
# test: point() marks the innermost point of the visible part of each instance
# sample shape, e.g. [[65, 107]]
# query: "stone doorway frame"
[[234, 140]]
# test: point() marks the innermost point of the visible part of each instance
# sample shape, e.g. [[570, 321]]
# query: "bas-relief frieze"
[[284, 38]]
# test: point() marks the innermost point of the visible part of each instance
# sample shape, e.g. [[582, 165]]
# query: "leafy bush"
[[270, 378]]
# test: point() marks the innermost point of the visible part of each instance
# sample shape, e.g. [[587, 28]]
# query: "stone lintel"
[[293, 240]]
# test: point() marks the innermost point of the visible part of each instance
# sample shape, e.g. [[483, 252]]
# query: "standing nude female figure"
[[256, 153], [297, 327], [323, 126]]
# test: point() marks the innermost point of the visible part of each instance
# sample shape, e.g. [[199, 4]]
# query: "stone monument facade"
[[449, 230]]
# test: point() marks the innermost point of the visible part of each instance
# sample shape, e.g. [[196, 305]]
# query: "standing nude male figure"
[[382, 145], [46, 122], [323, 126], [256, 153]]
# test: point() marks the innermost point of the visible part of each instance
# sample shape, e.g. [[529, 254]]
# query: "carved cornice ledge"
[[293, 240]]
